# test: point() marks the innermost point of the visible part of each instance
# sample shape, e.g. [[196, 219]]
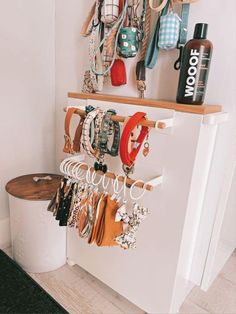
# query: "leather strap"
[[77, 138], [98, 232], [110, 228], [184, 24], [70, 148], [121, 5], [158, 8], [128, 158], [85, 31]]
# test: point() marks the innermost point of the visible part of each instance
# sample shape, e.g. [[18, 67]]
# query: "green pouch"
[[128, 43]]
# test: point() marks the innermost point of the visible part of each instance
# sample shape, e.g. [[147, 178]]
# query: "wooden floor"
[[81, 293]]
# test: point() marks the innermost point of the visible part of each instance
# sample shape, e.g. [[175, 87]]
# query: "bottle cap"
[[200, 31]]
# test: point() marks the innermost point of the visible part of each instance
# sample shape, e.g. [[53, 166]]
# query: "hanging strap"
[[85, 31], [183, 33], [184, 24], [95, 61], [153, 49], [140, 67], [145, 28], [75, 147]]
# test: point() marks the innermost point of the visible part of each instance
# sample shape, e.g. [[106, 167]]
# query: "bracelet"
[[108, 127], [128, 158]]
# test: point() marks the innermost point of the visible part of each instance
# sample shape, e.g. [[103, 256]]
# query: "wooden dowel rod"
[[148, 123], [111, 175]]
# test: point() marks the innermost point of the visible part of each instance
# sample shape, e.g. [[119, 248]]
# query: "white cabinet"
[[159, 274], [223, 236]]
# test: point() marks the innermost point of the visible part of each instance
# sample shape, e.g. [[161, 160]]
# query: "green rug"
[[19, 293]]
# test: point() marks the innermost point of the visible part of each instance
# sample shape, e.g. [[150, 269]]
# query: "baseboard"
[[5, 238]]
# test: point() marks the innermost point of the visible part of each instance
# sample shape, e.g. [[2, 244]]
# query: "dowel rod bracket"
[[77, 107], [216, 118], [155, 181], [164, 123]]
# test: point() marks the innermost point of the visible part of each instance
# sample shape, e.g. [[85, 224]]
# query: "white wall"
[[27, 87]]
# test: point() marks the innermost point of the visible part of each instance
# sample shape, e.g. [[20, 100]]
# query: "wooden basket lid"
[[25, 187]]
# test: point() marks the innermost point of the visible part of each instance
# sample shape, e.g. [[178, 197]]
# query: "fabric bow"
[[122, 214], [127, 240]]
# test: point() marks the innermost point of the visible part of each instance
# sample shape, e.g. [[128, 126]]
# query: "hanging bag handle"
[[85, 31], [183, 29], [158, 8]]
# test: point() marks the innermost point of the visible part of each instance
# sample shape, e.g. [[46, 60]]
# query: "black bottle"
[[195, 68]]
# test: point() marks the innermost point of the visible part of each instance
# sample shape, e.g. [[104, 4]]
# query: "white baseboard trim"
[[5, 238]]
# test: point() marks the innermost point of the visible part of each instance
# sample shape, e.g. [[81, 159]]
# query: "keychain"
[[146, 145]]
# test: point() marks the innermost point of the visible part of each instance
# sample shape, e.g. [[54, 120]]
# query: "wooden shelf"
[[205, 109]]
